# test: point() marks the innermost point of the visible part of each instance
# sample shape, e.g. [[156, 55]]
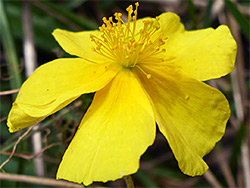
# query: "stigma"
[[126, 44]]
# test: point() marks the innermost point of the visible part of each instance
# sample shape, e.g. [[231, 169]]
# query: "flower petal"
[[191, 115], [115, 132], [18, 120], [203, 54], [170, 24], [57, 83], [79, 44]]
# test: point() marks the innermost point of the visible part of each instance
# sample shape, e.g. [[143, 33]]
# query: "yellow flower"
[[143, 71]]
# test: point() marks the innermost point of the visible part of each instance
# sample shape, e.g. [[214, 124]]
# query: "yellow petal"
[[79, 44], [202, 54], [170, 24], [191, 115], [18, 120], [57, 83], [115, 132]]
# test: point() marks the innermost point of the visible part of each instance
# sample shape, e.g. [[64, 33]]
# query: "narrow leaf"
[[244, 24], [9, 49]]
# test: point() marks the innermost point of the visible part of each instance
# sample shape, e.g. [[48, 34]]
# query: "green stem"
[[129, 181]]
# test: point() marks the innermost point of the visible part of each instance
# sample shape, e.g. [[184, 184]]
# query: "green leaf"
[[239, 17], [192, 13], [207, 16], [241, 134], [76, 19], [145, 179], [70, 5], [9, 49], [43, 25]]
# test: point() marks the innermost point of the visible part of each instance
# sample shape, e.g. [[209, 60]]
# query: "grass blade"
[[9, 48], [207, 16], [76, 19], [239, 17]]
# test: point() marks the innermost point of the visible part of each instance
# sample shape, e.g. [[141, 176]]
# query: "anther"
[[98, 47], [129, 9], [157, 48], [104, 19]]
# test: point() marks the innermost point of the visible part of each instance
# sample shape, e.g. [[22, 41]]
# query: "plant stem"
[[38, 180], [129, 181]]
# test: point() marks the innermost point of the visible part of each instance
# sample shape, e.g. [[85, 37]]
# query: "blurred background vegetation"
[[229, 161]]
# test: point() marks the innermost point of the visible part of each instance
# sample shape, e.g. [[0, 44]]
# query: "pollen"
[[127, 44]]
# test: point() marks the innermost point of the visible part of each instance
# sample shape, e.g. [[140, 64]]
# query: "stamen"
[[120, 43], [147, 75], [135, 16]]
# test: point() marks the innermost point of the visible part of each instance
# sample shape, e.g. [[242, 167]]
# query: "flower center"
[[124, 43]]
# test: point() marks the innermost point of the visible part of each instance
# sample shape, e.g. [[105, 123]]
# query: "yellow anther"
[[118, 16], [129, 9], [157, 48], [98, 47], [161, 42], [92, 37], [104, 19], [147, 75]]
